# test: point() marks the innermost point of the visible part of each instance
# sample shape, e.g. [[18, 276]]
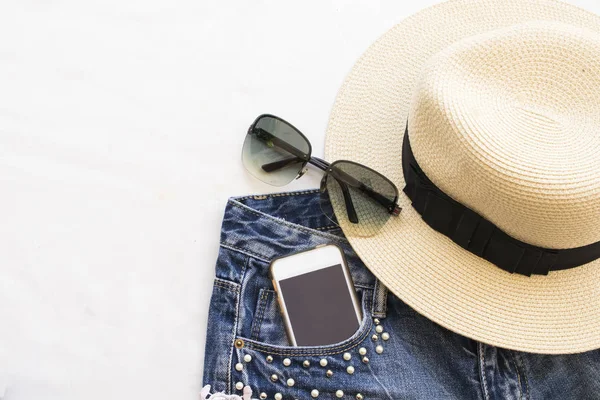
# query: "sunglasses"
[[276, 153]]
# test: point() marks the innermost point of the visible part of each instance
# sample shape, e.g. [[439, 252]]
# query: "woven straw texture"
[[504, 104]]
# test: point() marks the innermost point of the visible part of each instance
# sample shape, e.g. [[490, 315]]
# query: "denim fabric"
[[247, 343]]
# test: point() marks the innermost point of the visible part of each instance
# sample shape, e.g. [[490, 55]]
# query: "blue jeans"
[[247, 343]]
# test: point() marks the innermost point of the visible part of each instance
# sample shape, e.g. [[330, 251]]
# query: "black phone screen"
[[319, 306]]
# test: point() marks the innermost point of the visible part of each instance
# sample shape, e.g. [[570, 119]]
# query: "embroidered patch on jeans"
[[206, 395]]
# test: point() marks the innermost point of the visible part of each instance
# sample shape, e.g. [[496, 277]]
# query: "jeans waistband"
[[273, 225]]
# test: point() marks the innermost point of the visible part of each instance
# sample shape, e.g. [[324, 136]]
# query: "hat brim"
[[554, 314]]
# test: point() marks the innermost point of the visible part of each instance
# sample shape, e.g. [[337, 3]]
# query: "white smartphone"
[[316, 296]]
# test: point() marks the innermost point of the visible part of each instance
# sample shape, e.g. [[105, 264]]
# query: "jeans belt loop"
[[380, 294]]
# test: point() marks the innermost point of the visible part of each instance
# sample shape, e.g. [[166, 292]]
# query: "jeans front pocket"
[[268, 334], [336, 370]]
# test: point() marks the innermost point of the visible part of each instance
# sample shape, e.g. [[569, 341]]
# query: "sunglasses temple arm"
[[384, 201], [275, 165], [324, 165], [352, 217], [265, 136]]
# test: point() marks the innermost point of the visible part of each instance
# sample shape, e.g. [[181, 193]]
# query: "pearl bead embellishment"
[[287, 362], [350, 369], [247, 358], [239, 386], [347, 356], [323, 362], [379, 349], [239, 366], [339, 394], [314, 393]]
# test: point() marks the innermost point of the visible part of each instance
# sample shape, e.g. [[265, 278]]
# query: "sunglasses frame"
[[392, 207], [342, 178], [291, 149]]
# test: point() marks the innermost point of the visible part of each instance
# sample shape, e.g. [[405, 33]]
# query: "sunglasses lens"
[[274, 151], [357, 197]]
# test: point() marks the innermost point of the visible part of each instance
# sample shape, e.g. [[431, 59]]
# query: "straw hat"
[[500, 100]]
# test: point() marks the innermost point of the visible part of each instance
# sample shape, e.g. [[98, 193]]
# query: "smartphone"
[[316, 296]]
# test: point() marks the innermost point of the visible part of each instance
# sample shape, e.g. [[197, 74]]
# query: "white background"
[[121, 126]]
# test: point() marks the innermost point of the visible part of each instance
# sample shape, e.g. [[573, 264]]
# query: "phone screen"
[[319, 306]]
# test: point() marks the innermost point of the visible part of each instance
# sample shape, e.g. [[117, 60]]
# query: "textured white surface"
[[121, 125]]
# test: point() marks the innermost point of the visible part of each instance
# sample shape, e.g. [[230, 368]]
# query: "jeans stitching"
[[218, 282], [329, 351], [374, 302], [286, 223], [284, 194], [310, 191], [385, 301], [518, 376], [328, 227], [316, 352], [265, 297], [224, 287], [255, 334], [260, 258], [379, 288], [244, 251], [482, 370], [235, 327], [521, 365]]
